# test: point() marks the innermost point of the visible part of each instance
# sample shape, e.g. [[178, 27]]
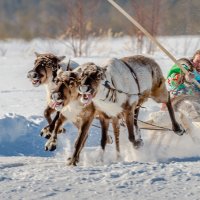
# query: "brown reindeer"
[[66, 99], [121, 86], [44, 73]]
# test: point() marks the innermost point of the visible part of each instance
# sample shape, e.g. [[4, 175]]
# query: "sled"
[[187, 111]]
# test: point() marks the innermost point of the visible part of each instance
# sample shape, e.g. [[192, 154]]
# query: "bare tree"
[[154, 23], [148, 16], [79, 26], [139, 12]]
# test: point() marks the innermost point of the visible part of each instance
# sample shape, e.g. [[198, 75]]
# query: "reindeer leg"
[[116, 129], [104, 130], [130, 125], [79, 144], [47, 114], [51, 143], [177, 128], [137, 130], [104, 121], [52, 125], [47, 130]]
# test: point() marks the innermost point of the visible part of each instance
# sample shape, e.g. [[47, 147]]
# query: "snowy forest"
[[49, 18]]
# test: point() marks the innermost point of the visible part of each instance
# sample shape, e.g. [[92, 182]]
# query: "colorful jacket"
[[176, 82]]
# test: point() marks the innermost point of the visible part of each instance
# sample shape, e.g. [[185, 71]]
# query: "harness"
[[134, 75], [113, 90]]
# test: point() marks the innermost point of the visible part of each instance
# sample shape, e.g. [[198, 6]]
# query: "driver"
[[179, 83]]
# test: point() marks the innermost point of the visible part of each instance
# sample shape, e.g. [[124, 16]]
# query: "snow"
[[167, 167], [49, 178]]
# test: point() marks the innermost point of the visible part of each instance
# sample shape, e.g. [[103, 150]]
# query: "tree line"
[[83, 18]]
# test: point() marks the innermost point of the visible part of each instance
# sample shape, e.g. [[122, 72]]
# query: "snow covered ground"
[[49, 178], [165, 168]]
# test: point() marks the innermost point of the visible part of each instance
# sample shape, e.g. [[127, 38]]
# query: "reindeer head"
[[66, 89], [89, 81], [45, 66]]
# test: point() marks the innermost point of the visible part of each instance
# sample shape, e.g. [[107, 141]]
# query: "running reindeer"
[[67, 100], [121, 86], [44, 73], [113, 90]]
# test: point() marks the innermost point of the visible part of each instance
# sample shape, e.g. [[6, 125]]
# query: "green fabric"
[[176, 70], [175, 87]]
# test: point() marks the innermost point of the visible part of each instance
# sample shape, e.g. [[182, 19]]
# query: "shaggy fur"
[[44, 73], [116, 90], [66, 99]]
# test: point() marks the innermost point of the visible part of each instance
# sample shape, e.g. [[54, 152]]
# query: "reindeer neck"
[[74, 95], [49, 86], [72, 110]]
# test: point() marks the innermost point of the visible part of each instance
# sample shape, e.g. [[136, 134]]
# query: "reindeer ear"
[[100, 73], [79, 70], [60, 74], [36, 54], [60, 58], [73, 79]]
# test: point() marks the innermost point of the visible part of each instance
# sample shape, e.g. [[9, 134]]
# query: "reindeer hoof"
[[138, 143], [72, 162], [46, 136], [50, 145], [45, 132], [179, 130]]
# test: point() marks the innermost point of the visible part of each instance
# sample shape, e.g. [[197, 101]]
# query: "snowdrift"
[[20, 136]]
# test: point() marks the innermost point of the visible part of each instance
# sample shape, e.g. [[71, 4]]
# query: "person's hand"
[[189, 77]]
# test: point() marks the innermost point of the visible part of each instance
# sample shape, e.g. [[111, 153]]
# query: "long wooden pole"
[[153, 39]]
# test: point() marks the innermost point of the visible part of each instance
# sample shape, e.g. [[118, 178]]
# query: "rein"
[[106, 85], [157, 128], [160, 128]]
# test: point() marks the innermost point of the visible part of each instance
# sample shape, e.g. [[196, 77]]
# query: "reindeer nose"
[[84, 88], [55, 96], [32, 74]]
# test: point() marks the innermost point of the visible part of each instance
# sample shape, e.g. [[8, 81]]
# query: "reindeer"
[[44, 73], [67, 100], [121, 86]]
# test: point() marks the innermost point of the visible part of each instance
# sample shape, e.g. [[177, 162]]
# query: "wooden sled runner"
[[187, 111], [187, 108]]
